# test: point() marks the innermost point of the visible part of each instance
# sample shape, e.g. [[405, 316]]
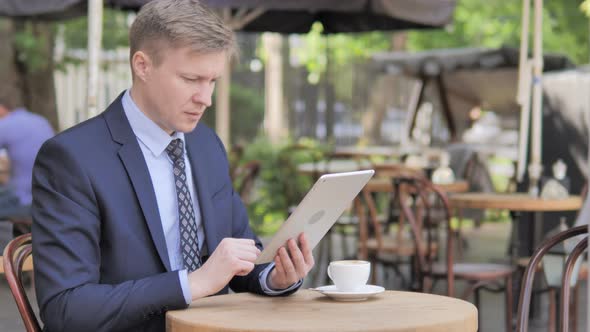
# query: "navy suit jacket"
[[101, 262]]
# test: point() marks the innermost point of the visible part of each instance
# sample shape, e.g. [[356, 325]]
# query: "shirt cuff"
[[263, 277], [186, 290]]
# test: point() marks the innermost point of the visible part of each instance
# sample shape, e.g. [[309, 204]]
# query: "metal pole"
[[535, 168], [95, 8], [524, 90]]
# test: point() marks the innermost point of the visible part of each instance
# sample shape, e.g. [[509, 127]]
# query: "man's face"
[[177, 91]]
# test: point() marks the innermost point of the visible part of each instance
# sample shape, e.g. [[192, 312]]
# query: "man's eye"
[[188, 79]]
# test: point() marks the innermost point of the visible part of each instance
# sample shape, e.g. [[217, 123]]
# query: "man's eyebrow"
[[216, 77]]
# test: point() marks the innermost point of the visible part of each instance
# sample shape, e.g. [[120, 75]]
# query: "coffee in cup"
[[349, 275]]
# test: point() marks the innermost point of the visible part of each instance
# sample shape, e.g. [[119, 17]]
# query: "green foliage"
[[115, 31], [31, 48], [497, 23], [247, 113], [280, 186], [585, 7], [343, 49]]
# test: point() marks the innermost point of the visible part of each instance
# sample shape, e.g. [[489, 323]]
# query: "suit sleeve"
[[66, 249]]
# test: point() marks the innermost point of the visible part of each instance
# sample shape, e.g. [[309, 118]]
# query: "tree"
[[497, 23], [115, 30], [26, 60], [325, 55]]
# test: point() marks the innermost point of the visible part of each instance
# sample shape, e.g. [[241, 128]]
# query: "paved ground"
[[486, 243]]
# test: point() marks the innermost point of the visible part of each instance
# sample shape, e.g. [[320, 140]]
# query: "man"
[[134, 212], [21, 134]]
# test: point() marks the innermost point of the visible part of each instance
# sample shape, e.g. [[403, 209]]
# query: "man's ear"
[[141, 65]]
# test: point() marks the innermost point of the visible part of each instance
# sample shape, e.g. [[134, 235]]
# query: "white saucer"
[[362, 294]]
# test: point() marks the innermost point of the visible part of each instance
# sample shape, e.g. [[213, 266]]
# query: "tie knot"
[[175, 150]]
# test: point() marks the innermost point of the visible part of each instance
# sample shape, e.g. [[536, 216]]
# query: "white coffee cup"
[[349, 275]]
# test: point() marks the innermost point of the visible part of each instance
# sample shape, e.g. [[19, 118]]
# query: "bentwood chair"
[[532, 267], [389, 249], [429, 267], [15, 262]]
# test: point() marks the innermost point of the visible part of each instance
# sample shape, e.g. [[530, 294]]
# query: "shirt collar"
[[146, 130]]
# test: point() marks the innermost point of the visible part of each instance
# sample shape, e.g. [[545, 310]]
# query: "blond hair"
[[179, 23]]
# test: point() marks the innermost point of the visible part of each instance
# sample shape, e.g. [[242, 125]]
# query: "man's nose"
[[203, 95]]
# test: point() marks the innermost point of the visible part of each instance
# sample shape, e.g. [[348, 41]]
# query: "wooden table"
[[369, 151], [516, 202], [308, 310], [384, 185]]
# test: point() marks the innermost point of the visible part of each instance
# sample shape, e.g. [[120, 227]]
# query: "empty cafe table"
[[384, 185], [516, 202], [308, 310]]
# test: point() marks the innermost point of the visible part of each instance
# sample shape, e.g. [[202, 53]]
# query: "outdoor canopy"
[[467, 77], [286, 16]]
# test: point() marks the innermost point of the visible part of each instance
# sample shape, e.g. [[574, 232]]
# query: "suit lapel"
[[196, 154], [134, 162]]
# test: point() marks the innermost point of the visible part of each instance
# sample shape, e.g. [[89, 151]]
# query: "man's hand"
[[291, 266], [231, 257]]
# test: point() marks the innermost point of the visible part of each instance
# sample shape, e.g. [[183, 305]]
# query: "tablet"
[[318, 211]]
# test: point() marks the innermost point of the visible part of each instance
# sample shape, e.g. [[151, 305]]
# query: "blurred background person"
[[21, 135]]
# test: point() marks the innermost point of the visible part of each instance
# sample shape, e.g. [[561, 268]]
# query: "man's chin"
[[187, 127]]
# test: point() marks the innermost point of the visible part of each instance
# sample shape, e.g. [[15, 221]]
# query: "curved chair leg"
[[427, 285], [476, 297], [574, 308], [552, 309], [509, 303]]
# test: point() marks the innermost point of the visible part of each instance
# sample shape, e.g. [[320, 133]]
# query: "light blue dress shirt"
[[153, 141]]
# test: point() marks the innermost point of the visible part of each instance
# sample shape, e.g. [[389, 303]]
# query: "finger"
[[290, 272], [279, 266], [306, 250], [248, 247], [234, 248], [297, 259], [229, 245], [244, 268], [245, 255], [244, 243], [239, 241], [239, 250]]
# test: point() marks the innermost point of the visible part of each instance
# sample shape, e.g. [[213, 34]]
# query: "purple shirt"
[[22, 133]]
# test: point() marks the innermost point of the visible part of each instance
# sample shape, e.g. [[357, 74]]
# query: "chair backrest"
[[373, 226], [420, 202], [424, 207], [15, 254], [529, 274]]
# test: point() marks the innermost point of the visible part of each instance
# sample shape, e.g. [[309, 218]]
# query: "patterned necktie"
[[189, 241]]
